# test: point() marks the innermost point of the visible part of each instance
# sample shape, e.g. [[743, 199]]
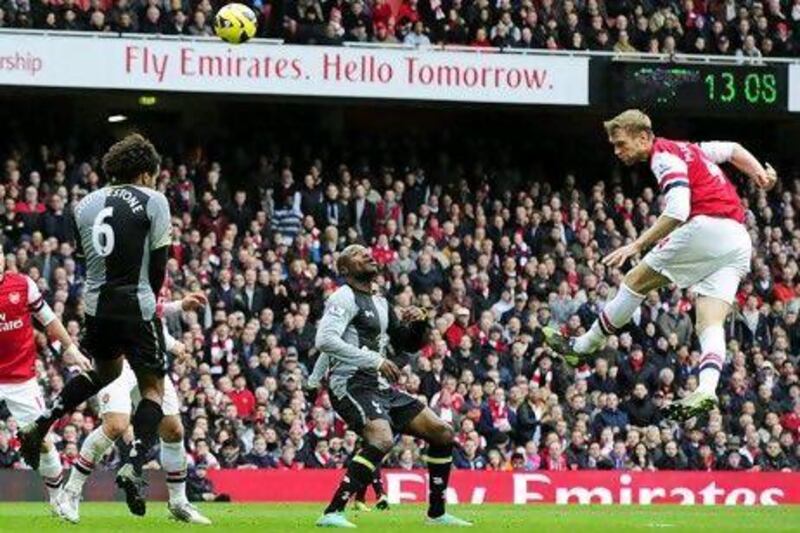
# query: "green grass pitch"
[[113, 517]]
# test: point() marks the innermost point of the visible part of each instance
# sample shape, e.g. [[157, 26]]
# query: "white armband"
[[45, 314]]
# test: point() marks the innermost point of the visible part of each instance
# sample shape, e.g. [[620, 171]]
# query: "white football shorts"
[[708, 255], [121, 395], [25, 400]]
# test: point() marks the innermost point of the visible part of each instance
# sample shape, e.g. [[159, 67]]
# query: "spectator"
[[610, 416], [200, 489], [199, 26], [774, 460], [231, 456], [641, 410], [673, 321], [417, 36], [600, 379], [640, 459], [259, 456], [750, 326], [556, 459], [9, 457], [672, 458], [635, 369], [468, 458]]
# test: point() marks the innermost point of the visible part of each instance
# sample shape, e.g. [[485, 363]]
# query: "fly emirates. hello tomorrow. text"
[[360, 67]]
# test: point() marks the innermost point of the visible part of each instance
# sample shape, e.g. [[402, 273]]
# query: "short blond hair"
[[632, 121]]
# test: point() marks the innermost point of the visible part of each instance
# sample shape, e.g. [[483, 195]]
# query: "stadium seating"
[[752, 29]]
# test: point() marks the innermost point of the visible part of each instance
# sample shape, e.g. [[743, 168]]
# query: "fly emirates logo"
[[9, 325], [527, 488]]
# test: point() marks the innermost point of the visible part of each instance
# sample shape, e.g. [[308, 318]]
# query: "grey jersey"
[[116, 229], [353, 335]]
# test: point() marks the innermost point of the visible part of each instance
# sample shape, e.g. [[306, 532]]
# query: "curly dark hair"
[[130, 158]]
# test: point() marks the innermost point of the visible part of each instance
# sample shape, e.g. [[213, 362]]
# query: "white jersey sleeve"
[[36, 304], [672, 174], [718, 151], [171, 309], [169, 340], [668, 168]]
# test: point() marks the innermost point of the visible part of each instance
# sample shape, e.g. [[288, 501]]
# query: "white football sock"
[[712, 346], [173, 461], [614, 315], [50, 470], [94, 448]]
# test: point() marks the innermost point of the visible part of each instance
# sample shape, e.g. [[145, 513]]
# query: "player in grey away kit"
[[123, 233], [355, 331]]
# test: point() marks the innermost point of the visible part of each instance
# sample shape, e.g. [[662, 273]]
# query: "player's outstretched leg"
[[614, 316], [377, 435], [173, 461], [76, 391], [440, 438], [711, 314], [93, 449]]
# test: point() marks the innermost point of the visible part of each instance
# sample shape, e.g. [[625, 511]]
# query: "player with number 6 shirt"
[[123, 235]]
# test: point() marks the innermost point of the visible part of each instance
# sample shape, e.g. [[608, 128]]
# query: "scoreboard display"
[[691, 87]]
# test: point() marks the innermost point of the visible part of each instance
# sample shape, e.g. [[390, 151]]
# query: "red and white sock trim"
[[711, 360]]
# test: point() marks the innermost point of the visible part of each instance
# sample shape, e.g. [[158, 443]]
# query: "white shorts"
[[24, 400], [122, 394], [706, 254]]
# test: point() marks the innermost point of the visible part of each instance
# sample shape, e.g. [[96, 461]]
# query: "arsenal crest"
[[14, 298]]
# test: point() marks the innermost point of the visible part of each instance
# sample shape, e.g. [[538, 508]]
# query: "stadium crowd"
[[491, 266], [724, 27]]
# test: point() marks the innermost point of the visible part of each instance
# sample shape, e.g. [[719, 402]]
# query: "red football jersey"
[[683, 164], [19, 298]]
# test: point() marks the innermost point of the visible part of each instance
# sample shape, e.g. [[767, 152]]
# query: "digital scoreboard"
[[690, 87]]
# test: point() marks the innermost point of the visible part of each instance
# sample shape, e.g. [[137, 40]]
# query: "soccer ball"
[[235, 23]]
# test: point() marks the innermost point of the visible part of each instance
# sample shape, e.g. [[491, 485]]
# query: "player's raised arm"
[[740, 157]]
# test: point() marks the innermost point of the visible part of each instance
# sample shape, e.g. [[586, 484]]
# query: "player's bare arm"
[[71, 354], [764, 176], [54, 329], [663, 227]]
